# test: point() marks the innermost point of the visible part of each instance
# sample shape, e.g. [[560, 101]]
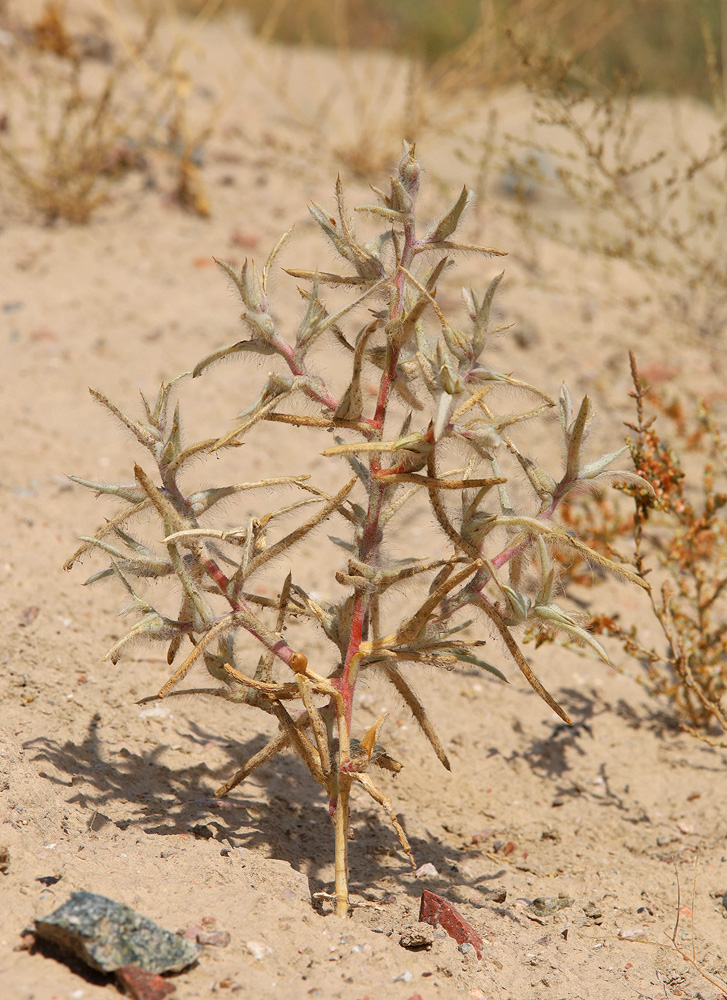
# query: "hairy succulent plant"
[[431, 389]]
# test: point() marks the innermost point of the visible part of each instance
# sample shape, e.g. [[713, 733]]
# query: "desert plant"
[[653, 199], [432, 398], [80, 110], [679, 531], [436, 66]]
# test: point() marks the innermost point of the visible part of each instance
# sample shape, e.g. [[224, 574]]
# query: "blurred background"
[[668, 46]]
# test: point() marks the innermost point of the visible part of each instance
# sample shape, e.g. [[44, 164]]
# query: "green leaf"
[[559, 619], [464, 657], [593, 469], [131, 493], [449, 222], [575, 440], [253, 346]]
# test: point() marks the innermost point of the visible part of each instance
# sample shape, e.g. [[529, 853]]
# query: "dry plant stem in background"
[[432, 391], [659, 207], [683, 954], [81, 110]]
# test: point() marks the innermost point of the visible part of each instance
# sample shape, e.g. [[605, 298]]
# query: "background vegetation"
[[660, 45]]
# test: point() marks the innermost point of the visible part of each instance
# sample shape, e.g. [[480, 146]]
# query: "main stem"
[[369, 549], [341, 834]]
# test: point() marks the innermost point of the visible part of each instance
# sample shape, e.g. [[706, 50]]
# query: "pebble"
[[593, 912], [403, 977], [631, 933], [498, 895], [258, 950], [417, 937], [546, 906], [214, 939], [141, 985]]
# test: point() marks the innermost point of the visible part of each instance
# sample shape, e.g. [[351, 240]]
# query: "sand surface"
[[101, 794]]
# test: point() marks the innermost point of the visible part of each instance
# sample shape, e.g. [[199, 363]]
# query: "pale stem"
[[341, 832]]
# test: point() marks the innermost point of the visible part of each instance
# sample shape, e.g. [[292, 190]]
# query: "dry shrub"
[[609, 38], [635, 179], [677, 538], [433, 65], [82, 107]]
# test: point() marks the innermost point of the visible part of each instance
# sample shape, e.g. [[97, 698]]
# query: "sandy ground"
[[101, 794]]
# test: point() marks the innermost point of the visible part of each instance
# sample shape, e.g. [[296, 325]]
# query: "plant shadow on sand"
[[280, 817]]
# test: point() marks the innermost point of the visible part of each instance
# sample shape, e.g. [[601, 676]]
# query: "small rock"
[[142, 985], [465, 948], [155, 712], [49, 880], [550, 834], [546, 906], [417, 937], [108, 936], [213, 939], [631, 933], [4, 858], [593, 913], [403, 977], [29, 615], [494, 895], [427, 869], [27, 941], [258, 950]]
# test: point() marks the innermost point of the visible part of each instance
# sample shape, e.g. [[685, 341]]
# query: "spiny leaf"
[[273, 254], [259, 346], [449, 222], [326, 277], [559, 619], [575, 439], [131, 493], [416, 708], [522, 663], [464, 657], [148, 436], [467, 247]]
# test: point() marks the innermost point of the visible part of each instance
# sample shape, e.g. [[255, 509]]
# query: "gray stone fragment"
[[107, 935]]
